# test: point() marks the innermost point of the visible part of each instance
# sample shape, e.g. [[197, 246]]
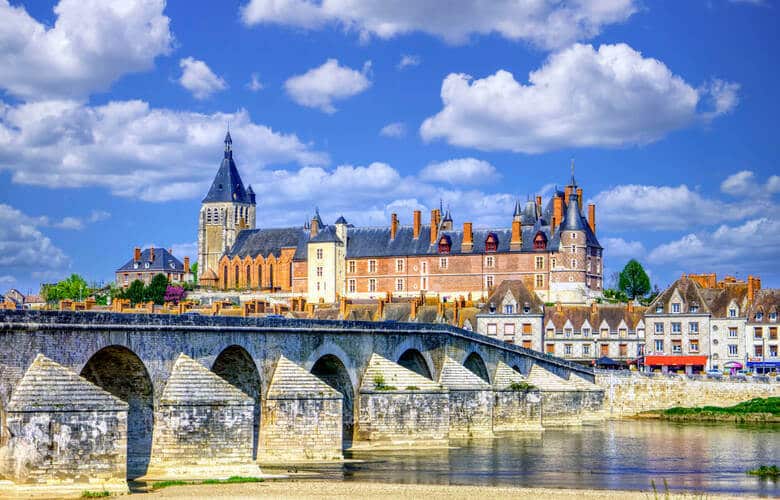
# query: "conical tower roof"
[[573, 220], [227, 185]]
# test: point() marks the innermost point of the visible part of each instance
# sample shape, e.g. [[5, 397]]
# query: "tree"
[[155, 292], [194, 272], [73, 288], [634, 281], [135, 292]]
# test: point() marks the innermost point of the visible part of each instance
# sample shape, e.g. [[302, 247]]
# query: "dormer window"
[[526, 308], [773, 316], [492, 308], [491, 242], [540, 241], [732, 313], [135, 265], [759, 316], [659, 309], [146, 265], [675, 307], [694, 307], [445, 244], [509, 309]]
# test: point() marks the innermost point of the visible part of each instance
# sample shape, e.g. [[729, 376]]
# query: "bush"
[[521, 387]]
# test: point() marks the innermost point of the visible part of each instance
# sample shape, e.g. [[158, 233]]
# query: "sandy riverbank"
[[340, 489]]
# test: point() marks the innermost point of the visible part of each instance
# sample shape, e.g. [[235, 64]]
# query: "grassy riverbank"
[[759, 410]]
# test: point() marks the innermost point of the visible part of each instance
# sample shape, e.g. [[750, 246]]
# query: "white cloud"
[[134, 150], [319, 87], [545, 23], [460, 171], [409, 60], [667, 208], [620, 248], [743, 183], [7, 279], [198, 78], [91, 44], [580, 97], [395, 130], [747, 248], [190, 249], [24, 250], [254, 83]]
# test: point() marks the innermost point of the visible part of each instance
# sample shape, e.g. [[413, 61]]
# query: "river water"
[[619, 455]]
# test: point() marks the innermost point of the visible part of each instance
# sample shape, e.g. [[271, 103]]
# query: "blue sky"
[[112, 119]]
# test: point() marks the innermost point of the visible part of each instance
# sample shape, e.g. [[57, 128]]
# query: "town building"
[[761, 327], [21, 300], [551, 247], [148, 263], [612, 333], [513, 313]]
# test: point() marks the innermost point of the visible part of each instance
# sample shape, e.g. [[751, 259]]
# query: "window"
[[567, 349], [676, 346], [676, 307], [423, 283], [540, 241], [318, 286], [445, 244], [573, 248], [319, 271], [659, 309], [527, 344], [489, 261], [605, 332], [759, 316], [676, 327], [586, 332], [623, 350], [550, 332], [539, 263], [443, 263], [372, 285], [351, 266], [319, 253], [732, 331], [759, 350], [492, 329], [527, 330], [772, 351], [693, 327], [732, 313], [694, 308], [399, 285], [733, 350], [399, 265], [489, 280], [694, 346], [126, 278], [539, 280], [567, 332], [659, 346], [552, 262], [622, 332], [135, 265], [586, 350], [758, 332], [146, 265], [509, 329], [491, 242], [549, 348], [351, 286], [423, 267], [573, 263], [773, 316], [772, 333], [372, 266], [509, 309], [604, 349]]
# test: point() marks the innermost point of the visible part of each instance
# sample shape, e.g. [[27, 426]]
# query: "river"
[[620, 455]]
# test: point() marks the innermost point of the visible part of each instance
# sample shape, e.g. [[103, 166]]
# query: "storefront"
[[732, 366], [671, 364], [759, 366]]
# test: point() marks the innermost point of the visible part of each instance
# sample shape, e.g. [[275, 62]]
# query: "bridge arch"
[[121, 372], [236, 366], [412, 359], [477, 366], [330, 369]]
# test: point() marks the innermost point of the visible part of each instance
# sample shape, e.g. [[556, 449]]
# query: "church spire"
[[573, 182], [228, 144]]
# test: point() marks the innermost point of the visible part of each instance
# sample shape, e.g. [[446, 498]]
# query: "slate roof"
[[327, 234], [613, 314], [163, 261], [573, 221], [227, 185], [766, 301], [520, 292], [689, 291], [254, 242]]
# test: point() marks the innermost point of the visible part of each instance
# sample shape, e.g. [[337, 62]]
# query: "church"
[[551, 247]]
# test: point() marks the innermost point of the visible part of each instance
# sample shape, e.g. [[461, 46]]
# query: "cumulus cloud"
[[460, 171], [254, 83], [744, 183], [408, 60], [320, 86], [135, 150], [546, 23], [581, 97], [620, 248], [395, 130], [198, 78], [91, 44], [24, 250]]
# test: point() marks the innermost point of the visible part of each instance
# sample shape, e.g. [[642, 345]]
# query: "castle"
[[552, 248]]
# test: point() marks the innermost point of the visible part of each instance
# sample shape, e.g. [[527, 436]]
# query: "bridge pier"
[[470, 401], [517, 407], [566, 402]]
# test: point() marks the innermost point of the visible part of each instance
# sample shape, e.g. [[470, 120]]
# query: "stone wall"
[[403, 417], [570, 407], [471, 413], [627, 395], [517, 411], [305, 428]]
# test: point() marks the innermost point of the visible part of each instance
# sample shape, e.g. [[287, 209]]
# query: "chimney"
[[434, 225], [557, 215], [380, 310], [151, 254], [416, 224], [630, 306], [592, 217], [137, 254], [170, 251], [558, 307], [579, 198], [594, 307], [393, 226], [538, 204], [517, 236], [315, 227], [438, 217], [413, 310], [343, 307], [468, 238], [186, 265], [567, 194], [754, 285]]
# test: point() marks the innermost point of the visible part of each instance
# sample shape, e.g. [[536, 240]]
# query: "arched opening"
[[260, 276], [271, 276], [332, 371], [235, 365], [516, 368], [224, 276], [412, 359], [236, 273], [121, 372], [477, 366], [248, 276]]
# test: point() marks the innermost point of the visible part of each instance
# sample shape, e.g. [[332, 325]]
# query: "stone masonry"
[[471, 401], [515, 410]]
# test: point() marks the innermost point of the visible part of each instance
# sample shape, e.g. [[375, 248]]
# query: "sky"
[[112, 117]]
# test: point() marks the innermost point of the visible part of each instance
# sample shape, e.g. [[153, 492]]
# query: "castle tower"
[[225, 211]]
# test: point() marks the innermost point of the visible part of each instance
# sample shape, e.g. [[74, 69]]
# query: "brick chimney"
[[413, 310], [151, 254], [592, 217], [186, 264], [393, 226], [517, 236], [558, 307], [594, 307], [579, 198], [416, 223], [557, 215], [630, 307], [315, 227], [434, 225], [380, 310], [137, 254], [538, 204], [754, 285], [567, 194], [468, 238]]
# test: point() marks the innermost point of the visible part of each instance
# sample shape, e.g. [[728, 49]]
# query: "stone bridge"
[[98, 398]]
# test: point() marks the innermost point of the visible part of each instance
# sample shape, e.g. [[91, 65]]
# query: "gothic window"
[[491, 242], [225, 275], [540, 241], [236, 276], [271, 275], [248, 276], [260, 276], [445, 244]]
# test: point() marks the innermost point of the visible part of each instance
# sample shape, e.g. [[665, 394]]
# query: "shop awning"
[[732, 364], [763, 364], [675, 360]]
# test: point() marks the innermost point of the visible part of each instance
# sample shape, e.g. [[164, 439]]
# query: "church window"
[[260, 276], [235, 275], [491, 242], [248, 276], [372, 285], [271, 276], [225, 275]]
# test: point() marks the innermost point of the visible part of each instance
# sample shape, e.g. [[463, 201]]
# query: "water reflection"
[[617, 455]]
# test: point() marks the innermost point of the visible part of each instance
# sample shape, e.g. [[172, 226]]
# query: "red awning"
[[675, 360]]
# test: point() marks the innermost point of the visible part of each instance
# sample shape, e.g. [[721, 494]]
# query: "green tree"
[[194, 271], [634, 281], [155, 292], [135, 292], [74, 288]]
